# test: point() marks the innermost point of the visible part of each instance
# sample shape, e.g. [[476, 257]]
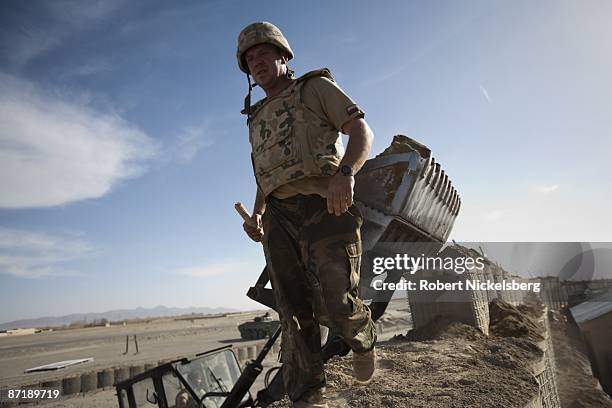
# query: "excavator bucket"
[[409, 207]]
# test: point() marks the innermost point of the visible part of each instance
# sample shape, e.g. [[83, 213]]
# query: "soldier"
[[304, 212]]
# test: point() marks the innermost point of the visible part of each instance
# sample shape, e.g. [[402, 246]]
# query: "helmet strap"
[[247, 99]]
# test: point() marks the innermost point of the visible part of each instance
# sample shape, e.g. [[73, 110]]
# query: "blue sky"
[[122, 149]]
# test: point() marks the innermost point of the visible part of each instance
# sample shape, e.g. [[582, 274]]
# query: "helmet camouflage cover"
[[260, 33]]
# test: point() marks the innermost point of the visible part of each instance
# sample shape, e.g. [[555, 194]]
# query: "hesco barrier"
[[545, 374], [106, 378], [251, 352], [121, 374], [467, 306], [71, 385], [472, 307], [553, 294], [258, 349], [55, 384], [89, 381], [241, 354], [136, 369]]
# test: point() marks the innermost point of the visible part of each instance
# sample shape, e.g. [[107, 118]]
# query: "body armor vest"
[[289, 142]]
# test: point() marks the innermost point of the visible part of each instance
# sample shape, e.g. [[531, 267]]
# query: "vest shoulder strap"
[[323, 72], [254, 107]]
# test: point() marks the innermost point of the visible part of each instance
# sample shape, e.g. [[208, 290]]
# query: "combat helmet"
[[260, 33]]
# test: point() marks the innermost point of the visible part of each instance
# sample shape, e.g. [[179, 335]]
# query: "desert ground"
[[445, 363], [449, 364], [159, 339]]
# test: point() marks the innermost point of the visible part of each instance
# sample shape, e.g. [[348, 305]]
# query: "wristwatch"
[[346, 170]]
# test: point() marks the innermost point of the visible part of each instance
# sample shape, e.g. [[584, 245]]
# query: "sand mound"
[[442, 328], [445, 363], [449, 364], [458, 366], [405, 144], [511, 321]]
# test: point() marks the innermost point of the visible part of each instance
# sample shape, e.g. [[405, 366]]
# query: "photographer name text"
[[468, 284]]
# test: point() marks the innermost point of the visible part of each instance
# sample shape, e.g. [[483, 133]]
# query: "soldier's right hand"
[[254, 229]]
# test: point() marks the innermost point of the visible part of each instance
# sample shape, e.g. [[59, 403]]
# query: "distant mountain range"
[[112, 316]]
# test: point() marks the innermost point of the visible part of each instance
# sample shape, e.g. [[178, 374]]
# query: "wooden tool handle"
[[243, 213]]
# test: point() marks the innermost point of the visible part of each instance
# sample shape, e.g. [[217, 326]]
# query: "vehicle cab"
[[204, 381]]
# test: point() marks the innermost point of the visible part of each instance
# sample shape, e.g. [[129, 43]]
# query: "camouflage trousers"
[[313, 260]]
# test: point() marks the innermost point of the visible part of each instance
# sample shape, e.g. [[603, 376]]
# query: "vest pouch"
[[326, 150], [282, 151]]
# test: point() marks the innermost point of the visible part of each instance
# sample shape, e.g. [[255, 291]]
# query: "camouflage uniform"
[[313, 257], [313, 260]]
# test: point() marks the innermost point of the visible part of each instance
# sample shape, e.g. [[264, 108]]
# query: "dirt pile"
[[443, 364], [442, 328], [454, 370], [387, 320], [515, 321], [405, 144], [450, 364]]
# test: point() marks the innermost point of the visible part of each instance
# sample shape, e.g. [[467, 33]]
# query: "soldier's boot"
[[313, 399], [364, 366]]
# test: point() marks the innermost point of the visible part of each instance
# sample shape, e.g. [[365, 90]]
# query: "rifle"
[[249, 375]]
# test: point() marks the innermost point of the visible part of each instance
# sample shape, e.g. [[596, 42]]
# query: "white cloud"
[[62, 19], [548, 189], [485, 93], [190, 141], [53, 151], [28, 254], [214, 269]]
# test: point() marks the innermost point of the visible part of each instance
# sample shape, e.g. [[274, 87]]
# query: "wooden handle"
[[243, 213]]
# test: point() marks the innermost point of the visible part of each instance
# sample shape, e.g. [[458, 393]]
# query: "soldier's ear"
[[284, 56]]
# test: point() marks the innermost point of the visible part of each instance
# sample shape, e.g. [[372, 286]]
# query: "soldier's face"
[[265, 63]]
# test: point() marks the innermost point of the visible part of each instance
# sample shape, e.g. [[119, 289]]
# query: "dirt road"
[[158, 340]]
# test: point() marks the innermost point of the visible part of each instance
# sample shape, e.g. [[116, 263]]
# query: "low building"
[[595, 321], [21, 332]]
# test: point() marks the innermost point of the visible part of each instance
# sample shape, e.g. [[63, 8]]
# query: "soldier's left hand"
[[340, 194]]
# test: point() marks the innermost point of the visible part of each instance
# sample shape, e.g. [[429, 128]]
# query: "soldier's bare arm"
[[260, 203], [359, 143], [254, 229], [340, 190]]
